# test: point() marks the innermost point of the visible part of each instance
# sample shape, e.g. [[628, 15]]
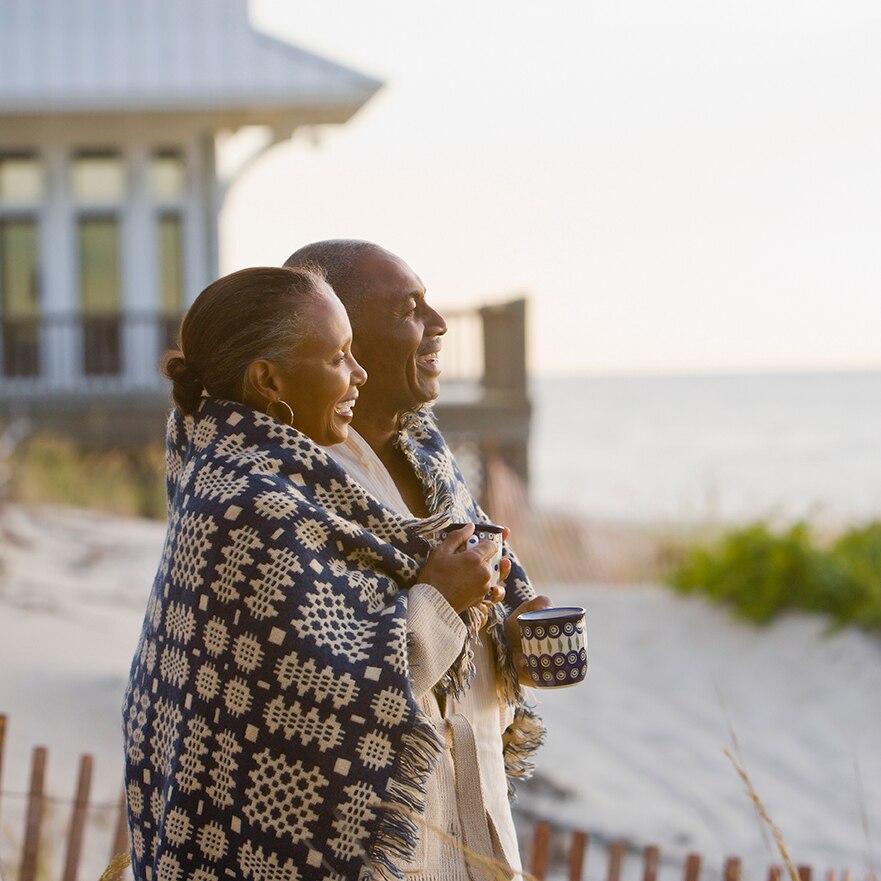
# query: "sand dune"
[[639, 746]]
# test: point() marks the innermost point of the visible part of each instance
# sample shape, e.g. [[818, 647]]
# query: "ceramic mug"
[[482, 532], [555, 646]]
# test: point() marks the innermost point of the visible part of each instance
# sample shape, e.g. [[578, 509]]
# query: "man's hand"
[[512, 635]]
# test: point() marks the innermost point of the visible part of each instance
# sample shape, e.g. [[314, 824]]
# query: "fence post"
[[804, 873], [651, 858], [616, 857], [774, 873], [2, 745], [78, 820], [733, 869], [693, 867], [120, 834], [541, 841], [577, 853], [31, 847]]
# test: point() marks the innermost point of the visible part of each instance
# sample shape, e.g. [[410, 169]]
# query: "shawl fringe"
[[521, 740], [394, 842], [438, 496], [506, 674]]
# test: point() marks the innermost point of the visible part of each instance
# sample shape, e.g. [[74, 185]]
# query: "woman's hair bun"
[[187, 386]]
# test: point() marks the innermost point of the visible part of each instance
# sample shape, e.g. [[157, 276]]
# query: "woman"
[[270, 726]]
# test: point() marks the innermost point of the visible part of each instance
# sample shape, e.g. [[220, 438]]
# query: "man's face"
[[397, 334]]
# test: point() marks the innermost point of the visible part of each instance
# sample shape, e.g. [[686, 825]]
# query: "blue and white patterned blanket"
[[270, 728]]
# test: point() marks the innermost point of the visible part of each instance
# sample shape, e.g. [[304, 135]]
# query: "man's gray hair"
[[336, 259]]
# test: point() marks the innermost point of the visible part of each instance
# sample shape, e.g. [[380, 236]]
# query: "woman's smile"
[[344, 408]]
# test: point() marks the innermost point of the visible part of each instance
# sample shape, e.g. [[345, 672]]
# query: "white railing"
[[72, 353]]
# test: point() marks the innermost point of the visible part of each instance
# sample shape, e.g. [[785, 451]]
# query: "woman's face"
[[322, 386]]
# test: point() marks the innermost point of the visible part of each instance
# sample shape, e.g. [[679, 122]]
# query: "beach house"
[[110, 115]]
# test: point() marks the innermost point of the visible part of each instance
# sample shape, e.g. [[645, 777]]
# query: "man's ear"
[[262, 382]]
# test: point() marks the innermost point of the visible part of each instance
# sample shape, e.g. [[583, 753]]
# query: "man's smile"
[[428, 359]]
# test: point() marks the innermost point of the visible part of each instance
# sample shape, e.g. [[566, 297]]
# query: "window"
[[98, 182], [98, 178], [21, 190], [171, 275], [21, 180], [19, 297], [100, 291], [167, 176], [168, 188]]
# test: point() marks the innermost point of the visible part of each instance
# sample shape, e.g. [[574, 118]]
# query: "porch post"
[[139, 305], [61, 340]]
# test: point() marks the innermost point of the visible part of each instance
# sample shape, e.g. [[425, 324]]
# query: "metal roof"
[[149, 56]]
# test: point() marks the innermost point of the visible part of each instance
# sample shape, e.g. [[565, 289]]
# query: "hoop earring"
[[290, 412]]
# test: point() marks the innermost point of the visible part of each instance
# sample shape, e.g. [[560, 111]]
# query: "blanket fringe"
[[456, 679], [520, 742], [437, 494], [526, 734], [394, 842], [506, 674]]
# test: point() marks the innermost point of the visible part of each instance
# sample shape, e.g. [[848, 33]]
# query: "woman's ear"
[[261, 383]]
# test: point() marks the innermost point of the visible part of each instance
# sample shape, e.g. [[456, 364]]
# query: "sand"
[[635, 752], [672, 681]]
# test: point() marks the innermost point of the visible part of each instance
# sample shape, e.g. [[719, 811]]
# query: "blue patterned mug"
[[555, 646], [482, 532]]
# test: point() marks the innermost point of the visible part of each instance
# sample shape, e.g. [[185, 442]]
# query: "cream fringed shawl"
[[270, 728]]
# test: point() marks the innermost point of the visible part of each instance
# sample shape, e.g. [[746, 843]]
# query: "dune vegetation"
[[759, 571], [44, 469]]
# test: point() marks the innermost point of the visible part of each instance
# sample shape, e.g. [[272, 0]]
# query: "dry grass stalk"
[[495, 870], [864, 817], [117, 866], [763, 813]]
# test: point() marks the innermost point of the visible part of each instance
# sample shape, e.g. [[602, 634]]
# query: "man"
[[396, 452]]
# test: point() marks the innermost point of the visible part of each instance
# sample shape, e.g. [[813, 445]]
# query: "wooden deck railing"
[[70, 350], [483, 346]]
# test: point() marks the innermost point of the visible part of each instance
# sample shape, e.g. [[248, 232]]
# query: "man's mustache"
[[430, 349]]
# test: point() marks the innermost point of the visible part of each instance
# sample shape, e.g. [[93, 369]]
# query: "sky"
[[693, 185]]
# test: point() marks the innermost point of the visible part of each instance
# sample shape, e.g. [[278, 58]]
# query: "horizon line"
[[708, 371]]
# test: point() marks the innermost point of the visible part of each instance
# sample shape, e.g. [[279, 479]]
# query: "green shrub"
[[859, 551], [760, 572]]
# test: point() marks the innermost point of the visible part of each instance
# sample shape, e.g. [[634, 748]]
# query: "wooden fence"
[[36, 802], [545, 844], [575, 860]]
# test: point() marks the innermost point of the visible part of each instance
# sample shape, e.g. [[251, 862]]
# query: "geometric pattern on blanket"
[[270, 729]]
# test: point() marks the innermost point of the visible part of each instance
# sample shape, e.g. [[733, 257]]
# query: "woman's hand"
[[512, 635], [462, 574]]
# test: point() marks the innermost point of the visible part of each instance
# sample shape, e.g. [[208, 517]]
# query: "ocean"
[[720, 448]]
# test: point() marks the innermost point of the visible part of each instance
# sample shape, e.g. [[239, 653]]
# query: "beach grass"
[[45, 469]]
